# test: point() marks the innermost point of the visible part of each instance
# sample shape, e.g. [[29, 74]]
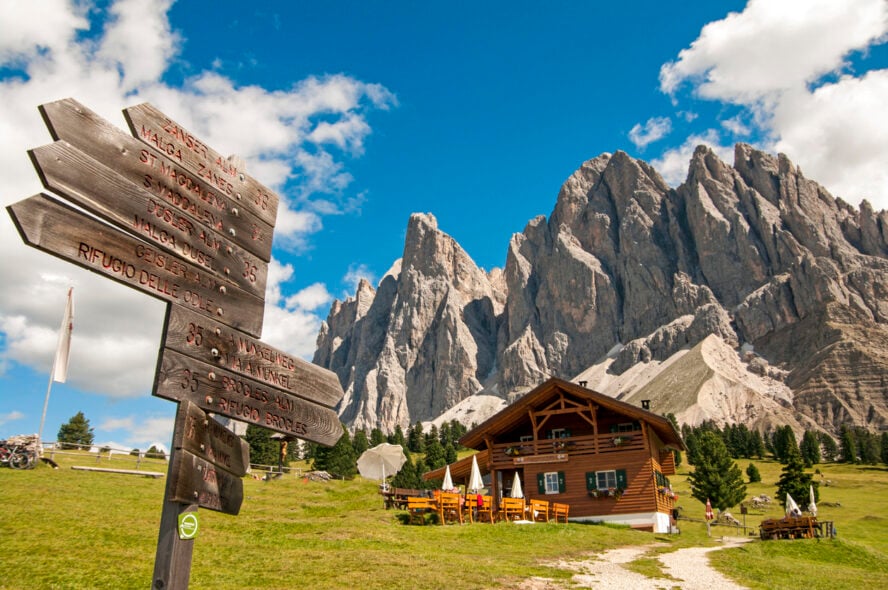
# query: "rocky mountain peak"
[[627, 269]]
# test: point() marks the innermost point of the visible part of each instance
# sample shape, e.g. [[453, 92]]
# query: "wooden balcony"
[[512, 454]]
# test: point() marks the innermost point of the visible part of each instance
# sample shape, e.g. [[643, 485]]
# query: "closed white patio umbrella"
[[475, 482], [448, 480], [516, 492], [792, 509]]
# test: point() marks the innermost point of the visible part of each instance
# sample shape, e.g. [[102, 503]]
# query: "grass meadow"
[[74, 529]]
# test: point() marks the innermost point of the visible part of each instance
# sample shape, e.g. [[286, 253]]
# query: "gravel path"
[[687, 569]]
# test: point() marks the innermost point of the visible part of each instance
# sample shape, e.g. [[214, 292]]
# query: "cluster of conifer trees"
[[425, 451]]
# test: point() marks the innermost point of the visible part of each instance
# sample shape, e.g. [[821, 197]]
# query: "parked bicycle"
[[17, 456]]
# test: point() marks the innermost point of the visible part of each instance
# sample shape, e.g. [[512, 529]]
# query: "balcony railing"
[[558, 449]]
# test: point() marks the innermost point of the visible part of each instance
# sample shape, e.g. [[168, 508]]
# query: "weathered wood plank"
[[154, 474], [162, 176], [213, 343], [200, 482], [100, 190], [201, 435], [156, 129], [222, 392], [67, 233]]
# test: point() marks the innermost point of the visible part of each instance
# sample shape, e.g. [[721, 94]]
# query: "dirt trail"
[[687, 569]]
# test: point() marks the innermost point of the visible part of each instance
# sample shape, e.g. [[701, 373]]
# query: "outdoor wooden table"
[[417, 508]]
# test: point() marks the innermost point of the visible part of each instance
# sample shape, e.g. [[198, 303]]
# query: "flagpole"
[[46, 401], [63, 343]]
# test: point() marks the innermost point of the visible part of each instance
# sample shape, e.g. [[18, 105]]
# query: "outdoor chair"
[[559, 511], [450, 508], [539, 510], [485, 511], [511, 509], [418, 507], [469, 507]]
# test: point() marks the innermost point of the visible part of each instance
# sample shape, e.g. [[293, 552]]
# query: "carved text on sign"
[[70, 234]]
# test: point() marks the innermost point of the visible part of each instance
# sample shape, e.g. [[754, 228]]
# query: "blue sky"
[[360, 113]]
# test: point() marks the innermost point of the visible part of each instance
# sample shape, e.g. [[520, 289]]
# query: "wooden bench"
[[485, 511], [469, 507], [511, 509], [559, 511], [450, 508], [397, 497], [539, 510], [417, 508]]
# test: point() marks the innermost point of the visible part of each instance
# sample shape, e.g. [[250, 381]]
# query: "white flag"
[[60, 367]]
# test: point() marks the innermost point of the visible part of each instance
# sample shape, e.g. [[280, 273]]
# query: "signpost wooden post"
[[185, 225]]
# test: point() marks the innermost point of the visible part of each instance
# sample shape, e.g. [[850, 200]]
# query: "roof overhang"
[[514, 414]]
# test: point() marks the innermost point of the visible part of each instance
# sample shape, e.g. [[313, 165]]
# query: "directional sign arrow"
[[159, 131], [228, 394], [197, 481], [202, 435], [209, 341], [161, 175], [71, 235], [100, 190]]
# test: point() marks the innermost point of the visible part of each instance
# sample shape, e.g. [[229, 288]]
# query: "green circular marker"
[[188, 525]]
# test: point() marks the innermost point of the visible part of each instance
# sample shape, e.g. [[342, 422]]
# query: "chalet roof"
[[516, 413], [461, 469]]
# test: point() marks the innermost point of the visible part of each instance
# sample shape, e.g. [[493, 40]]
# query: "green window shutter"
[[541, 483], [560, 482], [591, 480], [621, 478], [567, 433]]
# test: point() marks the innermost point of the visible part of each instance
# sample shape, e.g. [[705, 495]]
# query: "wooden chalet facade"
[[608, 459]]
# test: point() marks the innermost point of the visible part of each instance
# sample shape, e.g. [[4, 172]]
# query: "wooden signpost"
[[185, 225]]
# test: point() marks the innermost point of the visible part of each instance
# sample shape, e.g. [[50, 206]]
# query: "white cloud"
[[117, 424], [787, 64], [141, 58], [355, 273], [736, 126], [291, 323], [292, 139], [10, 417], [773, 46], [138, 431], [839, 132], [673, 164], [653, 130], [310, 298]]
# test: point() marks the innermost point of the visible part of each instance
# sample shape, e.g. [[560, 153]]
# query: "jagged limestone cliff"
[[752, 254]]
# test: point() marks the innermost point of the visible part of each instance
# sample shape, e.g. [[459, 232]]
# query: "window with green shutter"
[[551, 482]]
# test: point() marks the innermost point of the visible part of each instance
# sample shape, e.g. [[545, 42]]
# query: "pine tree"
[[264, 450], [397, 437], [848, 445], [450, 455], [753, 474], [810, 448], [830, 448], [870, 447], [785, 443], [883, 451], [155, 453], [415, 439], [407, 477], [758, 445], [360, 442], [794, 481], [340, 459], [76, 431], [435, 454], [716, 476], [377, 437]]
